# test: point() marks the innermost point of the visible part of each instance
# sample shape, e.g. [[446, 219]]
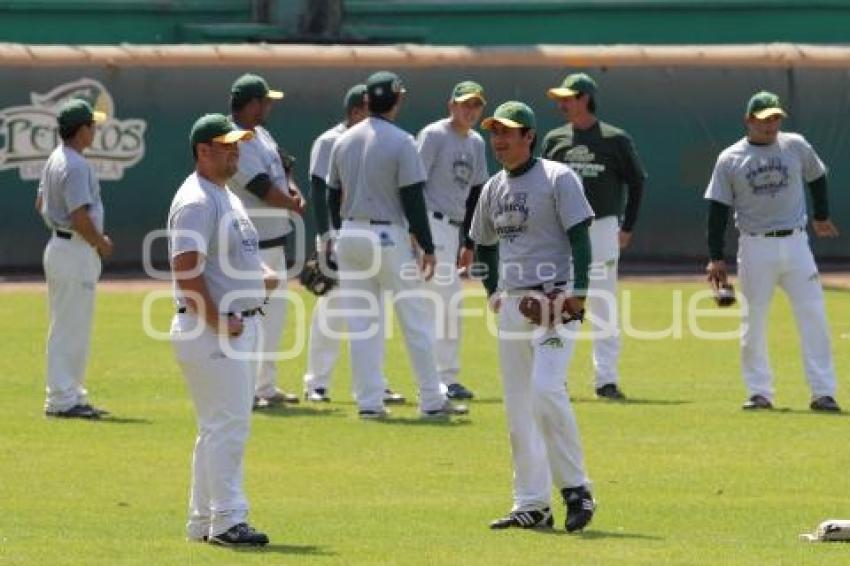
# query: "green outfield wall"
[[681, 107]]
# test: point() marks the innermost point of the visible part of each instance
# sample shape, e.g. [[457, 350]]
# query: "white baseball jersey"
[[764, 184], [529, 215], [371, 192], [67, 183], [257, 156], [221, 231], [320, 152], [453, 163]]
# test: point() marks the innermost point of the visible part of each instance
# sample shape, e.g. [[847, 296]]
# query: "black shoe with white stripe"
[[580, 507], [533, 519], [241, 534]]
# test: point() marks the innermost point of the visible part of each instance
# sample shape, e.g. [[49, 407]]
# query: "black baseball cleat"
[[580, 507], [241, 534], [393, 398], [825, 404], [447, 409], [611, 392], [458, 391], [757, 402], [75, 412], [534, 519], [373, 414], [98, 410], [317, 395]]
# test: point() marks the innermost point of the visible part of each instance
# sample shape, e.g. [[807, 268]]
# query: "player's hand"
[[104, 247], [625, 239], [427, 265], [235, 326], [464, 259], [296, 203], [270, 281], [716, 270], [494, 301], [824, 228]]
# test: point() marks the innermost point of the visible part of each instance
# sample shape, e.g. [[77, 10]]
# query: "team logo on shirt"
[[247, 235], [28, 134], [581, 160], [462, 170], [511, 218], [768, 176]]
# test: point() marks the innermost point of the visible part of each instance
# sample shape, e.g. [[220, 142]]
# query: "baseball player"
[[217, 327], [69, 201], [262, 184], [536, 211], [605, 158], [761, 177], [323, 351], [453, 155], [375, 181]]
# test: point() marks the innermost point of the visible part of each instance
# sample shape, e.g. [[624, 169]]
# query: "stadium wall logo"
[[29, 133]]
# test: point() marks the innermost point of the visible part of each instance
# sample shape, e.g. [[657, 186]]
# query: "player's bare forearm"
[[825, 228], [271, 281], [38, 202], [82, 224], [285, 200]]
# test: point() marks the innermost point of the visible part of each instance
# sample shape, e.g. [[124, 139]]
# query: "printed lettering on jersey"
[[511, 218], [247, 235], [581, 160], [768, 177], [462, 169], [28, 134]]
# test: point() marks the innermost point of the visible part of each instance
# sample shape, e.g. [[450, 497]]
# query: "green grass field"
[[681, 474]]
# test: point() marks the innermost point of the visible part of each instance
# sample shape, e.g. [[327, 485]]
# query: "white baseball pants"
[[447, 285], [762, 264], [374, 261], [272, 325], [326, 328], [72, 268], [222, 390], [602, 302], [545, 443]]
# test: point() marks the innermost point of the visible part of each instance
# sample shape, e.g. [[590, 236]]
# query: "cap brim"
[[561, 92], [234, 136], [98, 117], [470, 96], [768, 112], [275, 94], [487, 123]]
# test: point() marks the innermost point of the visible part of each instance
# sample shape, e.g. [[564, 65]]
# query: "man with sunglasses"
[[453, 155], [220, 284], [69, 201], [761, 178], [606, 160]]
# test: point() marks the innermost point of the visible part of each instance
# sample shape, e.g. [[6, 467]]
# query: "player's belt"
[[243, 314], [272, 243], [778, 233], [63, 234], [544, 286], [441, 216], [372, 222]]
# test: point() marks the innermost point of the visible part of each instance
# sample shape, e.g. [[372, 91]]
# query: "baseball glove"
[[319, 277], [724, 292], [552, 308]]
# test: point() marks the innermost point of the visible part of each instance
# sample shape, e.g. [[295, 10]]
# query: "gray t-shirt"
[[528, 216], [67, 183], [454, 163], [256, 156], [764, 184], [212, 221], [320, 153], [370, 162]]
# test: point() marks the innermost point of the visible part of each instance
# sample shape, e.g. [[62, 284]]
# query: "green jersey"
[[604, 157]]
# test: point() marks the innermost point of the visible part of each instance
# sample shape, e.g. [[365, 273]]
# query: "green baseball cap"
[[573, 85], [468, 90], [355, 97], [512, 114], [250, 86], [77, 111], [384, 87], [764, 105], [217, 128]]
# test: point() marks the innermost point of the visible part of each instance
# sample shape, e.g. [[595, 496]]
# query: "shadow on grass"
[[596, 534], [293, 549], [416, 421], [112, 419], [633, 401], [300, 411], [790, 411]]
